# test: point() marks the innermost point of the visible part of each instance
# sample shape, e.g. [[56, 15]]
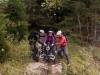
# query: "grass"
[[96, 54], [80, 62], [17, 60]]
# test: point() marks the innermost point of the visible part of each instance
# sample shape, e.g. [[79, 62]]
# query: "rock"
[[35, 68], [40, 68], [56, 68]]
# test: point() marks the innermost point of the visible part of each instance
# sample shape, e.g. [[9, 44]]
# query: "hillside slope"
[[82, 61]]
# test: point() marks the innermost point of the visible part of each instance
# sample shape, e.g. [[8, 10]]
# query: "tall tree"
[[17, 18], [3, 20], [16, 10], [3, 44], [80, 10]]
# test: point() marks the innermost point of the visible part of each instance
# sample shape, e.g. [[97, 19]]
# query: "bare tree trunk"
[[79, 22], [92, 31], [95, 28], [88, 32]]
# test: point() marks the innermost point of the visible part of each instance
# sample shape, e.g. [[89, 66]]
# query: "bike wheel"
[[47, 58]]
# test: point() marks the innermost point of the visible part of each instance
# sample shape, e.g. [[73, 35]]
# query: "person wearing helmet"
[[63, 45], [49, 38], [33, 38]]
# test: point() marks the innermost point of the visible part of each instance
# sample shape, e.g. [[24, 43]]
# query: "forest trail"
[[92, 61], [42, 68]]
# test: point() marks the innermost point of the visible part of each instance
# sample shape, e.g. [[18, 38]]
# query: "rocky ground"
[[40, 68]]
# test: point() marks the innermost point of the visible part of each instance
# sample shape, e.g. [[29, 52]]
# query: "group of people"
[[35, 36]]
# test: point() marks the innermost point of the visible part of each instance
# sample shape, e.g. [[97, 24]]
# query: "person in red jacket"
[[63, 45]]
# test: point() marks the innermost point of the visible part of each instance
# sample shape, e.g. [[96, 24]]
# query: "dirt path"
[[92, 61], [40, 68]]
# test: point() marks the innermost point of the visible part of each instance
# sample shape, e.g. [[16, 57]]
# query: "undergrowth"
[[96, 54], [17, 60], [80, 62]]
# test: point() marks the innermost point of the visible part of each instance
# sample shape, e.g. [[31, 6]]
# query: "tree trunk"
[[88, 32], [79, 22], [95, 29]]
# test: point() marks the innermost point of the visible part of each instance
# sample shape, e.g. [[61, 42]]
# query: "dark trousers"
[[64, 49], [34, 50]]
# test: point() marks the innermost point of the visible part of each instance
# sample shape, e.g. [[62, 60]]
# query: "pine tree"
[[3, 44], [17, 18], [16, 10]]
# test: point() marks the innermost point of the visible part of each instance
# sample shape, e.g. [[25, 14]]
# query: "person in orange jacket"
[[63, 43]]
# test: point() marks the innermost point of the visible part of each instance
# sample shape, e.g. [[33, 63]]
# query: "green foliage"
[[18, 30], [3, 44], [3, 20], [3, 49], [17, 24], [17, 10], [79, 7], [22, 30], [17, 60], [73, 38]]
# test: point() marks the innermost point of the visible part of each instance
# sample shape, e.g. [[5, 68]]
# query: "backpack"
[[32, 35]]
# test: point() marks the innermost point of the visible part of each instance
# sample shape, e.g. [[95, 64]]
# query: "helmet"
[[42, 31], [50, 31], [59, 32]]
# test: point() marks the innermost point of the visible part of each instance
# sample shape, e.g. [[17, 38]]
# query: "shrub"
[[17, 30], [3, 49]]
